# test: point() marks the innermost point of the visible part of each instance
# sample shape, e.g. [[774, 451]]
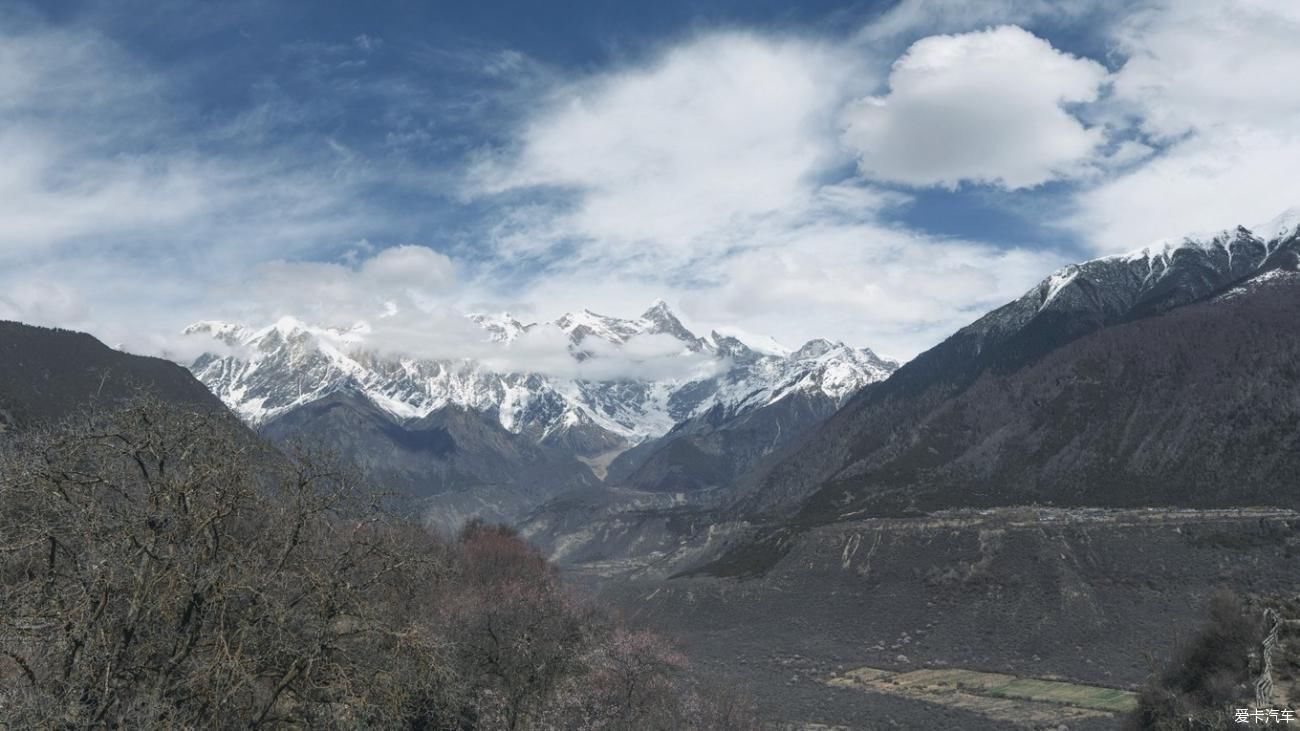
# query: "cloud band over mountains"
[[791, 179]]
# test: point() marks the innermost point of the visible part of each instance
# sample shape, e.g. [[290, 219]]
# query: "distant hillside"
[[1165, 376], [46, 374], [1197, 407], [456, 461]]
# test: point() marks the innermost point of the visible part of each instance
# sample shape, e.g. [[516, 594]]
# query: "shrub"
[[1208, 675]]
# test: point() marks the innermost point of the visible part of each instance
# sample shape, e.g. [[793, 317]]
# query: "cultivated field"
[[1007, 698]]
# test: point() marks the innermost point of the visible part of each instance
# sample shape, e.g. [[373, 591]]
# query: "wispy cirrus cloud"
[[126, 203]]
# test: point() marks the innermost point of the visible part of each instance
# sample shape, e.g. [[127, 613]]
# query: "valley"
[[1088, 597], [1012, 530], [1015, 530], [844, 365]]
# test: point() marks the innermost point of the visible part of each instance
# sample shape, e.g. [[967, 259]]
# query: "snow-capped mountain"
[[264, 372], [1057, 394], [1166, 273]]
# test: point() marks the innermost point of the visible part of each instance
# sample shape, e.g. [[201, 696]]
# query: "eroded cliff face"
[[1084, 595]]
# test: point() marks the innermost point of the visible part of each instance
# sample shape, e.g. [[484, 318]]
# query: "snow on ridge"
[[501, 326], [1284, 224], [1221, 250], [762, 344], [289, 363], [1273, 275], [1058, 281]]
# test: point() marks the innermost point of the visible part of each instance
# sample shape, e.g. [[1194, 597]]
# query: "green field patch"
[[997, 695]]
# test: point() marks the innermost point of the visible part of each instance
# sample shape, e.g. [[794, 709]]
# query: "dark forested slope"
[[46, 374]]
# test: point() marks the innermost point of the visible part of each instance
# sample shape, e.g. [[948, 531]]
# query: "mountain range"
[[1069, 475], [1162, 377], [468, 437]]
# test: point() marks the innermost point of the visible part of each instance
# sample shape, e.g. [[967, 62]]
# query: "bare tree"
[[162, 568], [159, 569]]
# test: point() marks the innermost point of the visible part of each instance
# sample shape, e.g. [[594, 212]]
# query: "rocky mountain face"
[[1147, 403], [452, 464], [523, 436], [714, 446], [269, 371], [1164, 376], [47, 374]]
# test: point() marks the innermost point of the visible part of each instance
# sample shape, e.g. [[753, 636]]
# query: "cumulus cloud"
[[683, 154], [1211, 86], [983, 107]]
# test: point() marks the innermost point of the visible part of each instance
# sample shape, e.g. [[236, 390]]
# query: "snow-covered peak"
[[660, 315], [814, 348], [1160, 275], [657, 320], [584, 323], [658, 307], [660, 319], [501, 327], [1283, 225], [764, 344], [229, 333], [1058, 281], [278, 367], [289, 325], [1200, 241]]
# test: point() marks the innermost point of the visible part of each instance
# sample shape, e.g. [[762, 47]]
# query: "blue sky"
[[877, 172]]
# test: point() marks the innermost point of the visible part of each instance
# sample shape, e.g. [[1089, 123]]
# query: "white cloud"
[[714, 175], [126, 213], [910, 18], [982, 107], [895, 291], [60, 179], [682, 155], [102, 150], [406, 301], [42, 301], [410, 266], [1197, 66], [1212, 83], [1206, 183]]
